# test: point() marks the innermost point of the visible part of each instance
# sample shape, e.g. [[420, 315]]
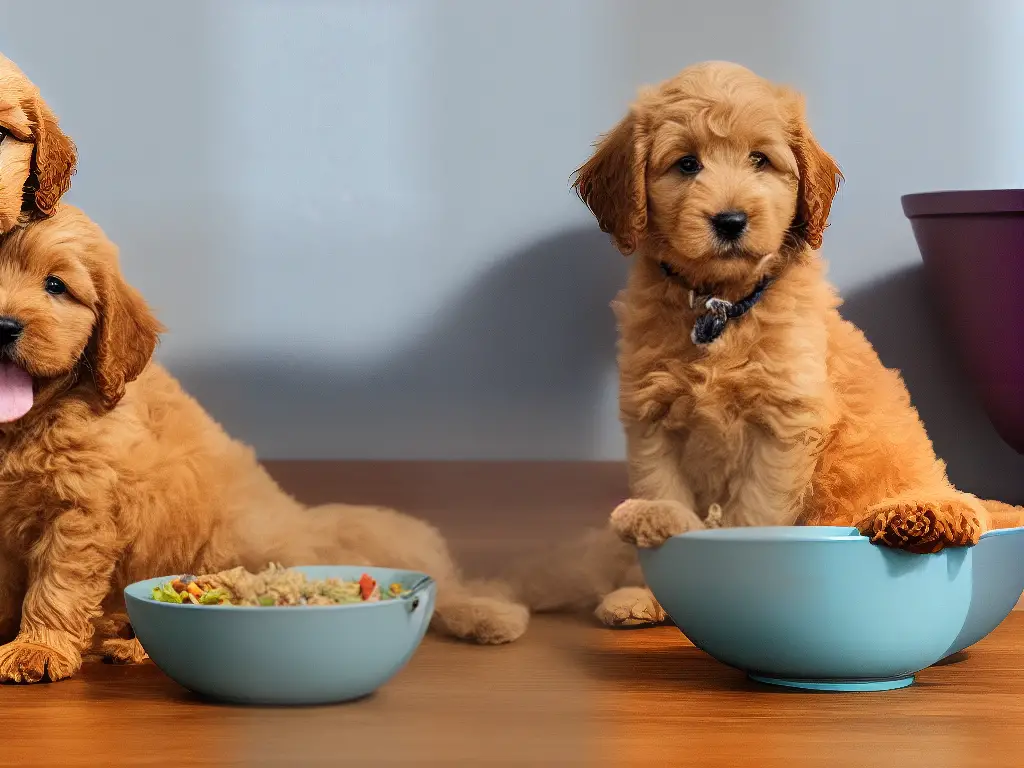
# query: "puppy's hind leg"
[[121, 651], [483, 612], [116, 642], [479, 612], [630, 607]]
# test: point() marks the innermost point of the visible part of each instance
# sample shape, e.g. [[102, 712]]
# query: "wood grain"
[[568, 694], [962, 714]]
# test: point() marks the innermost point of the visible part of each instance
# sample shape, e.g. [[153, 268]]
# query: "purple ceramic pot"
[[972, 244]]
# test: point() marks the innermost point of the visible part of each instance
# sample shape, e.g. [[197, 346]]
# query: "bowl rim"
[[776, 534], [799, 534], [963, 202], [413, 576], [1002, 531]]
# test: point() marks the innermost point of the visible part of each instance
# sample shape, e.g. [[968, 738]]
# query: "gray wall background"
[[354, 215]]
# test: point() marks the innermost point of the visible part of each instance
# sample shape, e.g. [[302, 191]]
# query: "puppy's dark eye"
[[55, 286], [3, 134], [759, 160], [690, 165]]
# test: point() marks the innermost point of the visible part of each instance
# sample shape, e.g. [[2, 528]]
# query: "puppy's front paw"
[[646, 523], [28, 661], [922, 525], [630, 607]]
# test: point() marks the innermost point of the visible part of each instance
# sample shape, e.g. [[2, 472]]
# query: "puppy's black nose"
[[10, 330], [729, 225]]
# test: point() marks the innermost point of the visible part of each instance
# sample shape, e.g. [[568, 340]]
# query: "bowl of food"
[[305, 635], [823, 608]]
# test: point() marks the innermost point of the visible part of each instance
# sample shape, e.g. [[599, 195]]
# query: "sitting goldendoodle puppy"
[[744, 395]]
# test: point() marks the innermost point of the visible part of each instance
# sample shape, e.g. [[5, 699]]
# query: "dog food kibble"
[[274, 586]]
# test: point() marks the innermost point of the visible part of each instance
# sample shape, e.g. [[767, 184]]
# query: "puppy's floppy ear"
[[54, 158], [819, 176], [613, 183], [125, 335]]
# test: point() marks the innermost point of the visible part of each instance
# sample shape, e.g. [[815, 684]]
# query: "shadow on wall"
[[523, 357], [897, 316], [519, 359]]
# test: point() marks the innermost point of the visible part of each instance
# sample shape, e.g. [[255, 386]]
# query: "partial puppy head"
[[36, 159], [714, 170], [67, 315]]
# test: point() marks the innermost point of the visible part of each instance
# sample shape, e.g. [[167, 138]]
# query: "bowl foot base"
[[889, 684]]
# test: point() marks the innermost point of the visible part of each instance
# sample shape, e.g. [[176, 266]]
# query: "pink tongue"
[[15, 392]]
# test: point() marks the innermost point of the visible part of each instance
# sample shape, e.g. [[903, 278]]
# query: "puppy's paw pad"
[[630, 607], [923, 526], [24, 661], [651, 523]]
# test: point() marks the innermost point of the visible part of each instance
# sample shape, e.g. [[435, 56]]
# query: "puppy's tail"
[[574, 576]]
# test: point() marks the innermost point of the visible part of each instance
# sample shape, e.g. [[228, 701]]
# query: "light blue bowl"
[[285, 655], [823, 608]]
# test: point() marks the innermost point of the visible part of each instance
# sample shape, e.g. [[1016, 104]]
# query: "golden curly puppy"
[[36, 159], [110, 473], [745, 397]]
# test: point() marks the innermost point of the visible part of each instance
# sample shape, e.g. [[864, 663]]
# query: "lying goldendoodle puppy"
[[110, 473], [743, 393]]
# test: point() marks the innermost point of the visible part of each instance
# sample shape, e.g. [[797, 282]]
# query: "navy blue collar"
[[714, 313]]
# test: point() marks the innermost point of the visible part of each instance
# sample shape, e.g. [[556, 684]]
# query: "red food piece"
[[366, 586]]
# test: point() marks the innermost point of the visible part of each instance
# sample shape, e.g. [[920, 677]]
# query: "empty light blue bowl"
[[823, 608], [285, 655]]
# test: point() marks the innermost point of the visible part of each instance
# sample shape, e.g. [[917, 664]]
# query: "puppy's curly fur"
[[36, 159], [789, 417], [115, 474]]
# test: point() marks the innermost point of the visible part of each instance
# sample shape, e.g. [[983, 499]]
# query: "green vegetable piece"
[[266, 600], [213, 597], [165, 594]]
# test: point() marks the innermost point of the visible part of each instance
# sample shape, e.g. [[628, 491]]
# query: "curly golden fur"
[[36, 159], [115, 474], [789, 417]]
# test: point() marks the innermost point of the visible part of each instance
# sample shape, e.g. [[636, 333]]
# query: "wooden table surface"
[[569, 693]]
